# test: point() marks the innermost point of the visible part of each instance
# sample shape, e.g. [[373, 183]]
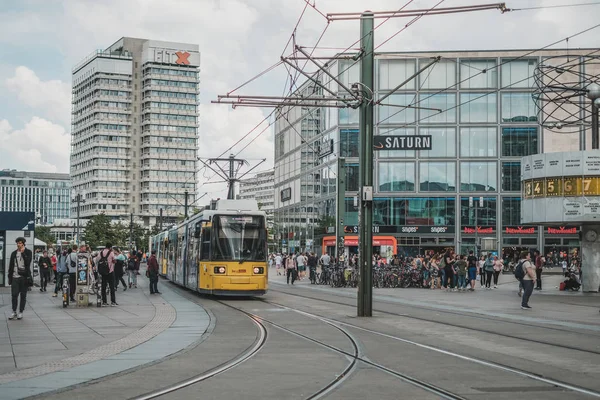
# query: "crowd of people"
[[108, 266]]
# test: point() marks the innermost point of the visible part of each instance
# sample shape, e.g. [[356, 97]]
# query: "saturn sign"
[[418, 142]]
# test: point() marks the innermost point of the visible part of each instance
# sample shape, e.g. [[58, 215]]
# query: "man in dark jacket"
[[19, 274], [153, 273], [45, 265]]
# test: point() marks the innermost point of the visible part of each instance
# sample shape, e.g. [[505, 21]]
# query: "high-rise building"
[[135, 129], [260, 188], [48, 195], [479, 109]]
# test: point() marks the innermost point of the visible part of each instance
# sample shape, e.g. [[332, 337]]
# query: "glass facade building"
[[135, 129], [45, 194], [479, 110]]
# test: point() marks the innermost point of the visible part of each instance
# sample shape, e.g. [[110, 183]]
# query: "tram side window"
[[205, 248]]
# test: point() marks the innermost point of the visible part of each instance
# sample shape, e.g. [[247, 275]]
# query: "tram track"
[[481, 362], [456, 325], [248, 353], [356, 356]]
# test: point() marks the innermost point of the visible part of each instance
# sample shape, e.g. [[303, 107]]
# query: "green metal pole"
[[340, 207], [365, 143]]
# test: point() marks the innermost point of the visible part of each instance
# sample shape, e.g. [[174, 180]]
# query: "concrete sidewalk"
[[53, 347]]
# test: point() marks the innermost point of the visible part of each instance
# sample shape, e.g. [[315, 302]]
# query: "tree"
[[99, 231], [43, 233]]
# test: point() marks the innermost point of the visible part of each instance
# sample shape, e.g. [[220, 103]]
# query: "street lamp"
[[78, 198], [593, 93]]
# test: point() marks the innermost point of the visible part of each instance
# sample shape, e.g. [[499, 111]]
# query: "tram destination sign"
[[403, 142]]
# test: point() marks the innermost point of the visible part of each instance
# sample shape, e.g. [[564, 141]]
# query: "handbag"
[[29, 281], [147, 274]]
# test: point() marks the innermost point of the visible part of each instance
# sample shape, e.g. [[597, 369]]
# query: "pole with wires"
[[365, 235]]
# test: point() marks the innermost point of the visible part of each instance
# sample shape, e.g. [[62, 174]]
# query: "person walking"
[[19, 277], [448, 262], [278, 260], [132, 270], [54, 260], [45, 265], [312, 267], [105, 262], [480, 264], [301, 263], [528, 280], [120, 261], [61, 270], [290, 269], [472, 270], [488, 269], [72, 267], [461, 267], [539, 267], [153, 273], [498, 265]]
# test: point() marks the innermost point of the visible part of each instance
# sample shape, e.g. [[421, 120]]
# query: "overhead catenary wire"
[[596, 3]]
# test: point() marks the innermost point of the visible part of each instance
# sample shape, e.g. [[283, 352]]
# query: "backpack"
[[103, 268], [519, 271], [131, 264], [73, 263]]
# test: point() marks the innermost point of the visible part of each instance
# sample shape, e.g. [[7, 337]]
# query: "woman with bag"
[[488, 268], [132, 263]]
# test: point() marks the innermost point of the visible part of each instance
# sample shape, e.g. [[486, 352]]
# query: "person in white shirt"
[[301, 263], [278, 263]]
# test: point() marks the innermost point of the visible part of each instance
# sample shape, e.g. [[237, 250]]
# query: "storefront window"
[[518, 107], [478, 107], [437, 177], [443, 143], [349, 143], [446, 102], [352, 177], [392, 111], [519, 142], [440, 75], [486, 215], [518, 73], [430, 211], [478, 142], [478, 176], [394, 72], [351, 215], [478, 74], [511, 211], [511, 176], [396, 177]]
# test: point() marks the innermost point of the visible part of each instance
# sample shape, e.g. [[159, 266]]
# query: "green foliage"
[[99, 231], [43, 233]]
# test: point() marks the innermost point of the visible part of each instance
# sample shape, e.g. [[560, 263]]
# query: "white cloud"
[[52, 98], [40, 146]]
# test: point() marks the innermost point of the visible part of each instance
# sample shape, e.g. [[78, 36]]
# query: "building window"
[[437, 177], [392, 111], [396, 153], [394, 72], [518, 107], [351, 214], [478, 176], [519, 142], [440, 75], [511, 211], [478, 74], [349, 116], [349, 143], [429, 211], [518, 73], [478, 142], [352, 177], [443, 143], [396, 177], [349, 72], [486, 215], [446, 102], [511, 176], [477, 107]]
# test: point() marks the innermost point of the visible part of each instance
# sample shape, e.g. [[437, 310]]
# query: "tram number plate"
[[241, 270]]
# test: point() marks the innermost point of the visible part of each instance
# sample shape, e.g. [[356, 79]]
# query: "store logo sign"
[[182, 58], [519, 230], [562, 230], [480, 229]]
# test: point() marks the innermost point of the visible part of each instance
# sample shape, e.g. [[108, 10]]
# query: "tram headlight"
[[219, 270], [259, 270]]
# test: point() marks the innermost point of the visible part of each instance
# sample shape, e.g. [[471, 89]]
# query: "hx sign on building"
[[418, 142]]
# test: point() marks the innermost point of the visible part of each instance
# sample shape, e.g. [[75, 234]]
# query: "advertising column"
[[81, 291]]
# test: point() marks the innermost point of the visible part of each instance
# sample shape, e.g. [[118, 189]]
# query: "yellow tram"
[[222, 250]]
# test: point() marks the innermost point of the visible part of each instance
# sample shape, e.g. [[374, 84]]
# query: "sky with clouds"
[[41, 40]]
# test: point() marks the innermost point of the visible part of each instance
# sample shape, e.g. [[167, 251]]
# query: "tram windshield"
[[239, 238]]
